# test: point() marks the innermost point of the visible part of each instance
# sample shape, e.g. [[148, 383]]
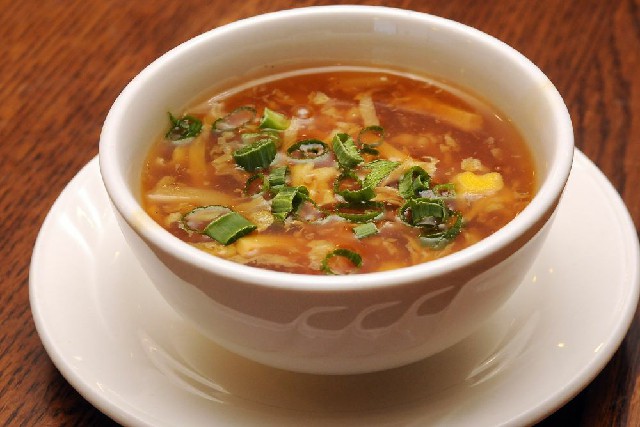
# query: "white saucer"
[[124, 349]]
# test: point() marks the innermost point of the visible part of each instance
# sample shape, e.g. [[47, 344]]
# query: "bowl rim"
[[129, 208]]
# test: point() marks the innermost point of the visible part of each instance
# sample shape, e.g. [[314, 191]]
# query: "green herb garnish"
[[287, 200], [257, 155], [365, 230], [354, 258], [359, 212], [370, 137], [273, 120], [414, 180], [346, 151], [308, 149], [229, 227], [183, 128], [197, 219]]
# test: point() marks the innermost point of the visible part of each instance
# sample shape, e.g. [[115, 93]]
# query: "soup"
[[337, 170]]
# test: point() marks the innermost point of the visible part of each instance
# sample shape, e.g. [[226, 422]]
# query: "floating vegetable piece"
[[308, 149], [273, 120], [256, 184], [278, 176], [235, 119], [365, 230], [183, 128], [359, 212], [422, 212], [414, 180], [251, 137], [346, 151], [444, 191], [379, 170], [354, 259], [361, 194], [370, 137], [287, 200], [439, 239], [229, 227], [197, 219], [257, 155]]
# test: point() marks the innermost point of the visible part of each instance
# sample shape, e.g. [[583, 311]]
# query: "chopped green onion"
[[235, 119], [365, 230], [262, 186], [371, 136], [439, 239], [346, 151], [308, 149], [354, 258], [198, 218], [380, 169], [256, 155], [287, 200], [369, 150], [251, 137], [424, 212], [359, 212], [273, 120], [229, 227], [183, 128], [413, 181], [362, 194], [278, 176], [444, 191]]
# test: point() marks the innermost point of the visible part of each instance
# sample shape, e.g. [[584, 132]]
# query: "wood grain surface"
[[63, 62]]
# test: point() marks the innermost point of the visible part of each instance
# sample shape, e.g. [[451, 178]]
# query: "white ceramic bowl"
[[344, 324]]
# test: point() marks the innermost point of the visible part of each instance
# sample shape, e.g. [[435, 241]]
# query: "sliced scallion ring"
[[251, 137], [287, 200], [444, 191], [229, 227], [379, 170], [197, 219], [370, 136], [185, 127], [354, 258], [346, 151], [257, 155], [424, 212], [278, 176], [439, 239], [369, 150], [308, 149], [252, 187], [362, 194], [414, 180], [273, 120], [359, 212], [235, 119], [365, 230]]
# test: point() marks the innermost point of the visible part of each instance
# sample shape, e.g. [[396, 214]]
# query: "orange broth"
[[453, 136]]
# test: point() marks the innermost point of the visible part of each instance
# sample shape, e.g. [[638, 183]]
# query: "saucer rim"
[[129, 415]]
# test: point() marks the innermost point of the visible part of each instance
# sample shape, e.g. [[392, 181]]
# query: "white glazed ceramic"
[[355, 323], [115, 339]]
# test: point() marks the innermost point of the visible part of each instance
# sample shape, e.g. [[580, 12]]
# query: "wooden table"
[[62, 63]]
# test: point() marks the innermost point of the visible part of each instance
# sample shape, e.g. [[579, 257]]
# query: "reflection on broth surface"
[[336, 171]]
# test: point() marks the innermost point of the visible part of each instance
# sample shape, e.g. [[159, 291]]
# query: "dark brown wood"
[[62, 63]]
